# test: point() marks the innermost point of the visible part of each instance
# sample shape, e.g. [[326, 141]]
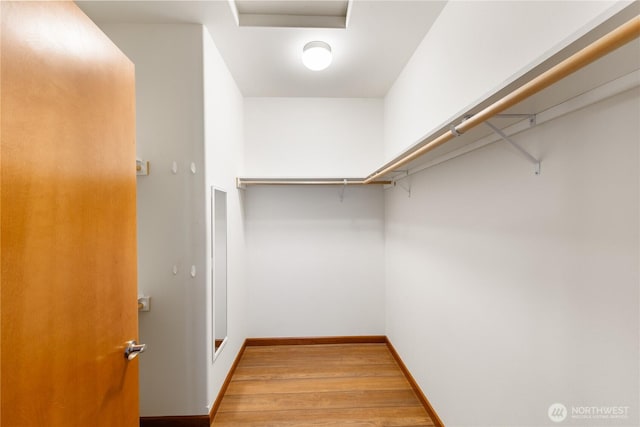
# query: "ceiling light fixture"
[[316, 55]]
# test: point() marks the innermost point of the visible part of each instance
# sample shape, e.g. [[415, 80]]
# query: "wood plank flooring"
[[350, 385]]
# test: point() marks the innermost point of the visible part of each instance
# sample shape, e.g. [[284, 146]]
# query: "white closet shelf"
[[608, 52]]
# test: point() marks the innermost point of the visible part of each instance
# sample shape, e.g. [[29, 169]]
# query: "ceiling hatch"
[[292, 14]]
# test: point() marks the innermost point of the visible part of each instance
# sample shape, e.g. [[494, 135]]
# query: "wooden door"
[[68, 231]]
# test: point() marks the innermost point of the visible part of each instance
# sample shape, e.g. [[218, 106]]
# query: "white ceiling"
[[368, 55]]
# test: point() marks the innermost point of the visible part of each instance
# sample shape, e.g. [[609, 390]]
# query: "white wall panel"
[[316, 265], [311, 137], [507, 292]]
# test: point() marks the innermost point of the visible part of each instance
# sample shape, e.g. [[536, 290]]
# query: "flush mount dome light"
[[316, 55]]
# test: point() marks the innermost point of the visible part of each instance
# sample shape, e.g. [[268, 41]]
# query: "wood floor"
[[350, 385]]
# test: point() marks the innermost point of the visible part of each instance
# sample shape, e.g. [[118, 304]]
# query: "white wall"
[[188, 110], [472, 49], [508, 292], [171, 229], [309, 137], [224, 159], [316, 265]]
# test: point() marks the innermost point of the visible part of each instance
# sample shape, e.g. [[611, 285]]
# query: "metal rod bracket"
[[344, 187], [240, 185]]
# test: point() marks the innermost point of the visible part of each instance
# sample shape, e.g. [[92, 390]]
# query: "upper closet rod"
[[606, 44]]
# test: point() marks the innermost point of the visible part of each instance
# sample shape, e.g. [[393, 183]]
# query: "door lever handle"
[[133, 349]]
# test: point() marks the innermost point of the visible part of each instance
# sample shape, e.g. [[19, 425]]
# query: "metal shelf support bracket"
[[531, 117], [515, 145], [397, 182]]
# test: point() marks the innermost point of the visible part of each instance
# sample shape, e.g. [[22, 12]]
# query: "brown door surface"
[[68, 231]]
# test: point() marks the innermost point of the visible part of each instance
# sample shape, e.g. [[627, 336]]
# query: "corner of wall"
[[224, 158]]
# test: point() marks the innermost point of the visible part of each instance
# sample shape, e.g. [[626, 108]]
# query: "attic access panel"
[[292, 14]]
